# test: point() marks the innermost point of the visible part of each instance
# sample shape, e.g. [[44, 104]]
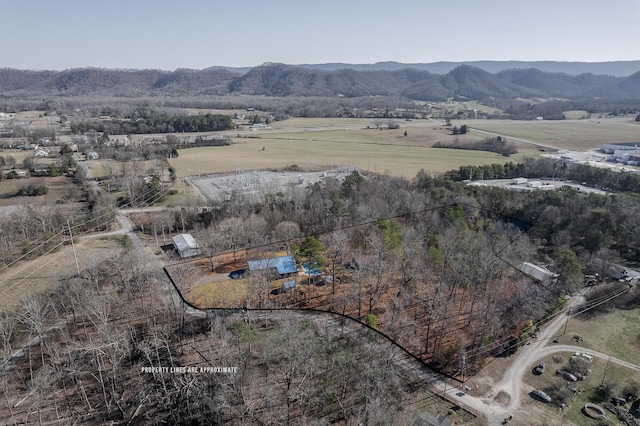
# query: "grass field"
[[20, 155], [224, 293], [602, 372], [396, 160], [617, 334], [41, 274], [314, 143], [565, 134], [57, 186]]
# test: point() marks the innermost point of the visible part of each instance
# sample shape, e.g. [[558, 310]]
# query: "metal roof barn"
[[185, 245]]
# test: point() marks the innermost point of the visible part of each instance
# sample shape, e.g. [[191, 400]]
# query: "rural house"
[[40, 170], [185, 245], [283, 266]]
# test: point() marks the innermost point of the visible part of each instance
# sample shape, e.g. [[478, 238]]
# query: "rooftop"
[[283, 264]]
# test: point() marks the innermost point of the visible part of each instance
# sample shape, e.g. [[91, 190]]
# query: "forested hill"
[[614, 68], [284, 80]]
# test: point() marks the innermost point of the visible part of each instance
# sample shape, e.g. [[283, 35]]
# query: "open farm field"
[[576, 114], [35, 117], [20, 155], [100, 168], [396, 160], [313, 122], [57, 187], [575, 135], [422, 135]]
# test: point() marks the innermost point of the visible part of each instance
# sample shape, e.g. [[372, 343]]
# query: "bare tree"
[[210, 243], [285, 231], [35, 315], [7, 327]]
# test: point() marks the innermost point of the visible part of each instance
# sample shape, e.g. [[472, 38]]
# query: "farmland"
[[577, 135], [329, 142], [57, 186]]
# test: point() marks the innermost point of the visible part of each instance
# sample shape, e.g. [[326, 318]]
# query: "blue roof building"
[[284, 265]]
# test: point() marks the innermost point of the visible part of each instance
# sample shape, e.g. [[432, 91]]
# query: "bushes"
[[32, 190], [496, 144], [372, 321]]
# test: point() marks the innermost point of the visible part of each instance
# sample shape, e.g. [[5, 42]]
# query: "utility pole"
[[567, 321], [604, 374], [464, 361], [75, 256], [198, 158]]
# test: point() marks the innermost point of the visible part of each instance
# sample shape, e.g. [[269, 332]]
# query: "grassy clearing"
[[57, 186], [395, 160], [576, 114], [20, 155], [96, 167], [315, 143], [23, 278], [565, 134], [616, 334], [225, 292]]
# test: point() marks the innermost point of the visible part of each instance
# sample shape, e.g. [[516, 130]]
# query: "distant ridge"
[[613, 68], [278, 80]]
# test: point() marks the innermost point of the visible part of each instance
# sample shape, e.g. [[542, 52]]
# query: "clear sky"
[[61, 34]]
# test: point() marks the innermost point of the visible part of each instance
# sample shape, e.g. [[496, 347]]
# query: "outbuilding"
[[185, 245], [538, 272]]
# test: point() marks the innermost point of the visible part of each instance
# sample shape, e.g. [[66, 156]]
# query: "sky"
[[162, 34]]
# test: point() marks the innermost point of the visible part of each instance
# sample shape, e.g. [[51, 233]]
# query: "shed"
[[289, 285], [283, 265], [426, 419], [185, 245]]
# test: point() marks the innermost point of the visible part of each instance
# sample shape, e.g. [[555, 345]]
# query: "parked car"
[[542, 396], [566, 375], [618, 401], [539, 369]]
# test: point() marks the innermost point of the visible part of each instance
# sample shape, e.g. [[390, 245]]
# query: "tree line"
[[439, 262], [494, 144], [597, 177], [108, 344], [155, 124]]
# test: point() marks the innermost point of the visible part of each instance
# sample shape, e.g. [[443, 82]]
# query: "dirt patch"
[[502, 397]]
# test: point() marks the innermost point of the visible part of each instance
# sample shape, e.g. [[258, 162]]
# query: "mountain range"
[[614, 68], [280, 80]]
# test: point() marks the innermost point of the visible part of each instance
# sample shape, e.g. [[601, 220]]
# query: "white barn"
[[538, 272], [185, 245]]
